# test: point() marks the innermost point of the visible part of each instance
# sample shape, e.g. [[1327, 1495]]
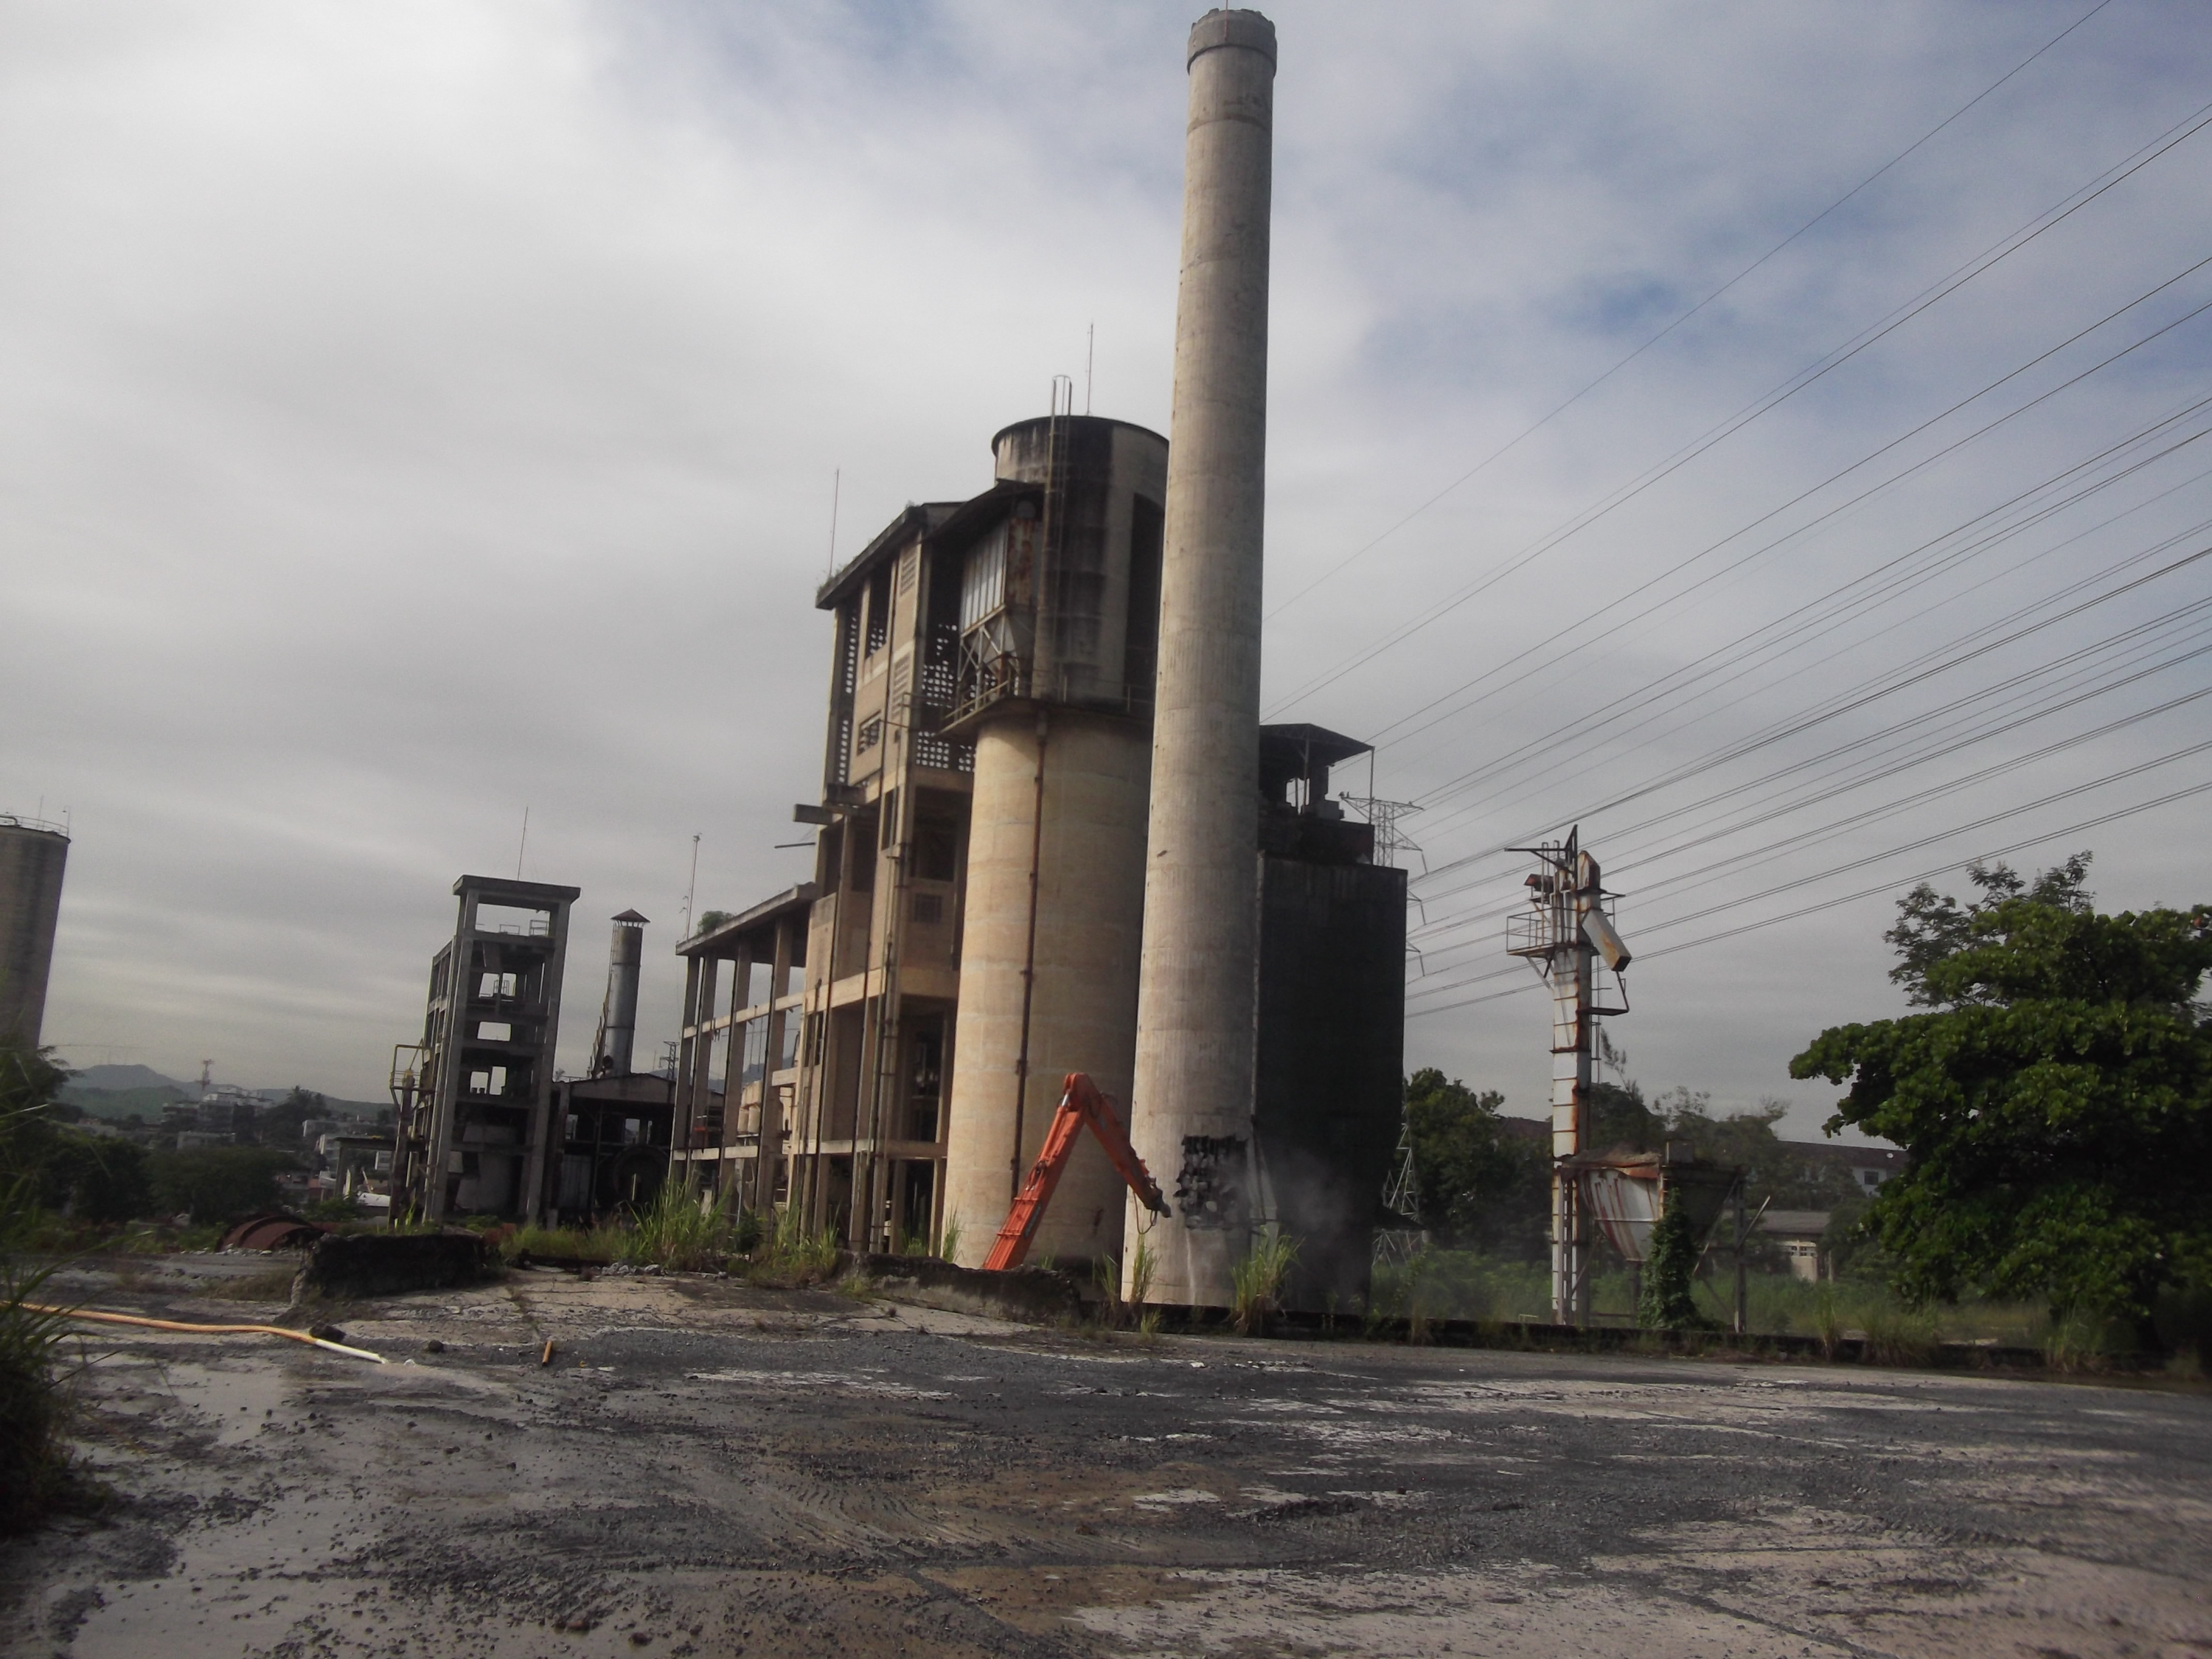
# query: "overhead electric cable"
[[1639, 858], [1704, 668], [1797, 724], [1624, 846], [1918, 466], [1889, 886], [1362, 551], [1648, 928], [2194, 122]]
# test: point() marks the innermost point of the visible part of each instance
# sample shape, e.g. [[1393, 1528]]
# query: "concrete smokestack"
[[612, 1048], [1192, 1114], [32, 857]]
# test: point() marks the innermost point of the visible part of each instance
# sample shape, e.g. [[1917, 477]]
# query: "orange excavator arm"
[[1080, 1102]]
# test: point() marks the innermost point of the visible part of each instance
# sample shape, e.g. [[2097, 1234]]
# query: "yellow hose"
[[204, 1330]]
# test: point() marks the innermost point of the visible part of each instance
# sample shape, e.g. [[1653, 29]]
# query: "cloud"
[[418, 413]]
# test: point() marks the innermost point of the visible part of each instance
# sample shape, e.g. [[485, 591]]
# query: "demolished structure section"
[[475, 1132]]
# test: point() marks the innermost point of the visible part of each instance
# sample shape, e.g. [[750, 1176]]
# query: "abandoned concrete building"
[[486, 1125], [1051, 837], [474, 1097], [883, 1047]]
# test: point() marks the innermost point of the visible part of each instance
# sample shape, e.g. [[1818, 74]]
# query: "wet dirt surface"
[[709, 1469]]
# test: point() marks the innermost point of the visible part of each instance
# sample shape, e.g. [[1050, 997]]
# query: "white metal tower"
[[1564, 933]]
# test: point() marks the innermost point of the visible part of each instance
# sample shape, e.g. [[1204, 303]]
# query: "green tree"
[[1670, 1268], [216, 1183], [2056, 1104], [1773, 1172], [279, 1125], [29, 1081], [98, 1178], [1619, 1121], [1479, 1184]]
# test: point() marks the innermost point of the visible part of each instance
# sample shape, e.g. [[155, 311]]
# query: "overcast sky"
[[418, 413]]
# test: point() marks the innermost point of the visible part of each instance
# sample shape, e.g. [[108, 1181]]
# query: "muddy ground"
[[709, 1469]]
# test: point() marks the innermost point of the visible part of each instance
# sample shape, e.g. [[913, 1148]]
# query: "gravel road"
[[706, 1468]]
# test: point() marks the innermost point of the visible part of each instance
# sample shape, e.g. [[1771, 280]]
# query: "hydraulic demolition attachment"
[[1080, 1102]]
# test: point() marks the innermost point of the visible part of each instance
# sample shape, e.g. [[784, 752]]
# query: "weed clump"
[[36, 1472], [1256, 1282]]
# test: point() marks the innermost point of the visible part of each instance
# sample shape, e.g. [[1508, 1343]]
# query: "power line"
[[1706, 833], [1928, 298], [1430, 936], [1360, 552], [1889, 886], [1700, 670], [1913, 846], [1830, 514]]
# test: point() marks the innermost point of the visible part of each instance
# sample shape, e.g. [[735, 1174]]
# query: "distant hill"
[[145, 1103], [111, 1078]]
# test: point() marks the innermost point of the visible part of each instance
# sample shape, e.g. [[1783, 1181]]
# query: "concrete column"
[[1082, 1008], [32, 857], [1197, 998]]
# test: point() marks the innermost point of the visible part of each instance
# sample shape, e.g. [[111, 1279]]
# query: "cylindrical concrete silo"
[[32, 857], [617, 1035], [1056, 841], [1197, 997]]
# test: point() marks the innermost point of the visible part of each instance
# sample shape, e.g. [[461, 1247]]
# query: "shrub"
[[95, 1178], [34, 1462], [678, 1229], [216, 1183], [1670, 1274], [1257, 1280]]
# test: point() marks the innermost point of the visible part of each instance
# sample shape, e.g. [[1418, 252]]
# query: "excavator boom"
[[1080, 1102]]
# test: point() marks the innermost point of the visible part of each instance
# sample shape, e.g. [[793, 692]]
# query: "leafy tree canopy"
[[216, 1183], [1478, 1183], [2056, 1104]]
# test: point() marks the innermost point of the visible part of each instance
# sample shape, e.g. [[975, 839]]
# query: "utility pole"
[[1562, 935]]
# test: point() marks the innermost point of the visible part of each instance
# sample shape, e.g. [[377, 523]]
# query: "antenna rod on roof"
[[1089, 356], [692, 889], [524, 846], [836, 483]]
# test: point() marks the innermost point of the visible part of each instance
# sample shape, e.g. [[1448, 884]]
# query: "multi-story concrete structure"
[[32, 857], [476, 1132], [882, 1047], [742, 1012], [980, 864]]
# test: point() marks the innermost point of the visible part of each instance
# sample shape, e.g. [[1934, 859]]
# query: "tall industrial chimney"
[[32, 856], [1192, 1110], [610, 1049]]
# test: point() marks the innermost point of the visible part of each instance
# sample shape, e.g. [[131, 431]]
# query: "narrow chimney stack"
[[1192, 1110], [611, 1051]]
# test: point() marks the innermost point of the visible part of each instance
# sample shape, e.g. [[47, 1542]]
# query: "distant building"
[[1868, 1166], [226, 1110], [32, 856], [475, 1129], [1799, 1233], [355, 1162], [612, 1135]]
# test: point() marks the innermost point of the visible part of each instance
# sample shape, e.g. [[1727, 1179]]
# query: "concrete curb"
[[1028, 1294]]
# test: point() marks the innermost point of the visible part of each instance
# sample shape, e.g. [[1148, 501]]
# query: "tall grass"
[[682, 1230], [1466, 1284], [1143, 1267], [792, 1249], [1256, 1281], [35, 1468]]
